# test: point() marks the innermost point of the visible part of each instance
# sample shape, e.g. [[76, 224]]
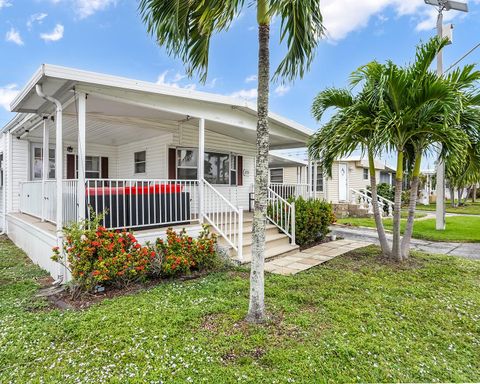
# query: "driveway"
[[467, 250]]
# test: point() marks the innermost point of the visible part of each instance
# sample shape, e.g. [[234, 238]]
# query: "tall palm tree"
[[351, 128], [185, 28]]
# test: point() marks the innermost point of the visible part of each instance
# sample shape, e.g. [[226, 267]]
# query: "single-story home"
[[349, 176], [148, 155]]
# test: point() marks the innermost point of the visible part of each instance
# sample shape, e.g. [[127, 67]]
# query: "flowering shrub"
[[180, 253], [95, 255]]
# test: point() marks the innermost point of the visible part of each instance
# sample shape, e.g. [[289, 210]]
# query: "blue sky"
[[108, 36]]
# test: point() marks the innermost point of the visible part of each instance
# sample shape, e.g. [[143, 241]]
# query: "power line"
[[463, 57]]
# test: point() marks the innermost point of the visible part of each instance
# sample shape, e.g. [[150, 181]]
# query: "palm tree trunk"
[[256, 309], [407, 236], [376, 210], [459, 196], [452, 197], [474, 194], [396, 254]]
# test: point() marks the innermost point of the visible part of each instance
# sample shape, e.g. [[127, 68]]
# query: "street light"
[[442, 5]]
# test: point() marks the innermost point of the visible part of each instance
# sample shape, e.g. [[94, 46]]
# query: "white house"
[[350, 177], [152, 155]]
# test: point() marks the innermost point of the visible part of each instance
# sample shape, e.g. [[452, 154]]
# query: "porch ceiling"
[[131, 105]]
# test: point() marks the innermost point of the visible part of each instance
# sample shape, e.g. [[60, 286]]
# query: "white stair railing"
[[383, 201], [364, 198], [286, 190], [222, 215], [281, 213]]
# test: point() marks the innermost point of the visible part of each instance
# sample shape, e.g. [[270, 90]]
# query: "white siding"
[[157, 158]]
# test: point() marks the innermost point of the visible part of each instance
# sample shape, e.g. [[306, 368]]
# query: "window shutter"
[[104, 168], [172, 163], [239, 171], [70, 166]]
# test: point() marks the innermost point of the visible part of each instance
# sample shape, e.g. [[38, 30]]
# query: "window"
[[276, 175], [219, 168], [37, 162], [187, 164], [319, 186], [365, 173], [140, 161], [92, 167]]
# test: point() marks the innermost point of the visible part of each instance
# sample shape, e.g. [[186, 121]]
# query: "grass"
[[356, 318], [468, 209], [458, 229]]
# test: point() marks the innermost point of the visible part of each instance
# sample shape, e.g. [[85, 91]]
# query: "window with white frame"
[[37, 162], [365, 173], [140, 161], [319, 186], [92, 167], [276, 175], [219, 167]]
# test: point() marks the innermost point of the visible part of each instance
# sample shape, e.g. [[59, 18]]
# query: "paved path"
[[311, 257], [467, 250]]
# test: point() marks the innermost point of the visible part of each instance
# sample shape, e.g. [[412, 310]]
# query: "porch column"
[[45, 162], [315, 165], [62, 270], [309, 177], [201, 159], [82, 109]]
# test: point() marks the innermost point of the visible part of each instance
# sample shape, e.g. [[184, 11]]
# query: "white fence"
[[290, 190], [141, 203]]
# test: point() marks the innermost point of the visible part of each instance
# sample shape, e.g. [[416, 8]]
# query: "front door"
[[342, 182]]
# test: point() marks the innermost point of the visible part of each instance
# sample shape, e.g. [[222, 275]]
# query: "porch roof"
[[148, 105], [280, 160]]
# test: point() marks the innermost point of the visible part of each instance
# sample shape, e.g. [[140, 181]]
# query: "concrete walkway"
[[467, 250], [311, 257]]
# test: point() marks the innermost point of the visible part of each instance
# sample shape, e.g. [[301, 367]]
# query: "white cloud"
[[174, 81], [13, 35], [281, 90], [345, 16], [36, 18], [7, 94], [5, 4], [251, 78], [249, 94], [55, 35], [85, 8]]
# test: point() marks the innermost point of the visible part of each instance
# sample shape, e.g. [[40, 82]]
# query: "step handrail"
[[282, 213], [221, 214], [366, 198], [383, 199]]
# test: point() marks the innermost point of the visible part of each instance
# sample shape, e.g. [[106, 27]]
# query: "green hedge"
[[312, 219]]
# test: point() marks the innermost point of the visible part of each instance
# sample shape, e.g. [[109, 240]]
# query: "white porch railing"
[[135, 203], [222, 215], [364, 198], [290, 190], [281, 213], [44, 206]]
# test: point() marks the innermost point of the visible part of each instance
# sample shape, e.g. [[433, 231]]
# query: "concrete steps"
[[277, 244]]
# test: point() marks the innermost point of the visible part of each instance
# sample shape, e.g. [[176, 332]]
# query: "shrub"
[[180, 253], [312, 219], [95, 255]]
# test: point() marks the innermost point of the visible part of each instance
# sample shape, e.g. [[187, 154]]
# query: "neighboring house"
[[348, 175], [152, 155]]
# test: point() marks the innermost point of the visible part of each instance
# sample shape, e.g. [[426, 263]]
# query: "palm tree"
[[185, 28], [353, 126]]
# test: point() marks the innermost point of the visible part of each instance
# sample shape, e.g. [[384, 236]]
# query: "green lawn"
[[458, 229], [354, 319], [469, 209]]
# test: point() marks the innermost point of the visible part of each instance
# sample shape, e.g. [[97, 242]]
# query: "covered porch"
[[147, 156]]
